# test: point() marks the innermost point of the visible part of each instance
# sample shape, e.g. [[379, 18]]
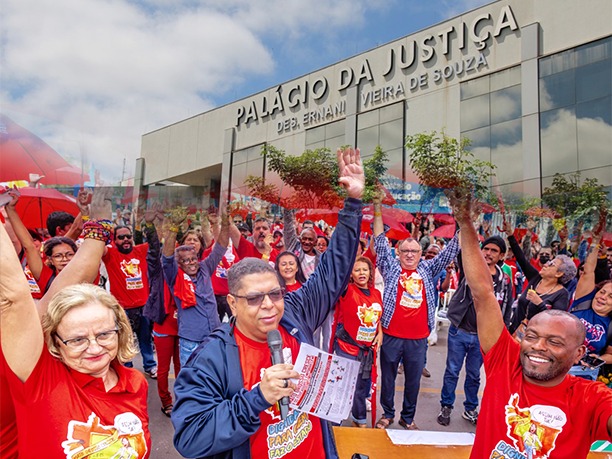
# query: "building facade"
[[528, 81]]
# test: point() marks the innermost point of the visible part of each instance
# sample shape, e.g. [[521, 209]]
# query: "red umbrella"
[[393, 213], [444, 218], [396, 230], [35, 204], [446, 231], [22, 153]]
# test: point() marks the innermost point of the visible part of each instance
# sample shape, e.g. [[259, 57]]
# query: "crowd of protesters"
[[80, 303]]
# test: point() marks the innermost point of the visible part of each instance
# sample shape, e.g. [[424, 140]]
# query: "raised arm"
[[586, 283], [175, 217], [35, 262], [488, 314], [529, 271], [85, 265], [20, 330], [290, 236]]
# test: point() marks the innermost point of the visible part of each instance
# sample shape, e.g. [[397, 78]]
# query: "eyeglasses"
[[61, 256], [121, 237], [187, 261], [256, 300], [81, 343], [550, 263], [407, 251]]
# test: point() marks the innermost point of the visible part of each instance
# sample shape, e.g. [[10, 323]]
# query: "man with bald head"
[[527, 383]]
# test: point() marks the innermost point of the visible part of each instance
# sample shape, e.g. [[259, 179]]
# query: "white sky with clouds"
[[90, 77]]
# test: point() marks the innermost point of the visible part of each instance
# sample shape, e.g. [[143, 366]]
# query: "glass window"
[[392, 112], [594, 80], [480, 142], [594, 52], [255, 167], [557, 90], [505, 78], [391, 134], [239, 156], [594, 126], [254, 153], [367, 119], [475, 112], [473, 88], [506, 104], [335, 129], [334, 143], [367, 139], [507, 150], [315, 135], [563, 61], [395, 163], [558, 141], [239, 173]]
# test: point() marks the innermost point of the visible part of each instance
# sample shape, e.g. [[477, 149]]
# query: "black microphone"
[[275, 343]]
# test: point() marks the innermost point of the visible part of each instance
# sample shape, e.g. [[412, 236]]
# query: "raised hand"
[[351, 176], [101, 203]]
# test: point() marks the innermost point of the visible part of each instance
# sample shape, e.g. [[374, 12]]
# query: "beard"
[[125, 250], [554, 370]]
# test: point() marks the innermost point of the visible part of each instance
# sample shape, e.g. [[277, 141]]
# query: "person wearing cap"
[[463, 341]]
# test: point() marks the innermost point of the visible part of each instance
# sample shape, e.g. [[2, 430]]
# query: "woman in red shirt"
[[290, 273], [358, 331]]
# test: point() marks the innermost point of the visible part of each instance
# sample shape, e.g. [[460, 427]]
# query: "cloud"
[[90, 77]]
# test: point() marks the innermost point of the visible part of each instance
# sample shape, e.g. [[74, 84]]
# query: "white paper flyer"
[[326, 385]]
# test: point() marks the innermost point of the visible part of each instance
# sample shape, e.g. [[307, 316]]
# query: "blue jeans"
[[142, 327], [462, 345], [412, 353], [186, 348], [362, 389]]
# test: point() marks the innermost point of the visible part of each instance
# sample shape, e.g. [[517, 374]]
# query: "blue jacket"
[[214, 415]]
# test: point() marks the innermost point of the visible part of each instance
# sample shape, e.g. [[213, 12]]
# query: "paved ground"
[[427, 409]]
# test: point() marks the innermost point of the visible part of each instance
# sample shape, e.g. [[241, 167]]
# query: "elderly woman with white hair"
[[72, 395], [545, 288]]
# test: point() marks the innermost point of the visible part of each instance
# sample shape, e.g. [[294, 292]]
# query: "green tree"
[[441, 161], [313, 177], [575, 201]]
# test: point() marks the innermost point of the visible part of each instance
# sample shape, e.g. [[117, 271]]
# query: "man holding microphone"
[[227, 393]]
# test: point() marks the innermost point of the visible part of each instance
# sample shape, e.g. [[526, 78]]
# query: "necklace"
[[548, 291]]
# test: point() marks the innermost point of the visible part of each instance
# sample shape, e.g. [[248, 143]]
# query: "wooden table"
[[377, 445]]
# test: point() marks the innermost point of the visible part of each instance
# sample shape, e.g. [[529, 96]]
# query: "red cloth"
[[301, 431], [219, 277], [128, 276], [8, 420], [568, 417], [247, 249], [409, 320], [184, 290], [59, 409], [293, 287], [360, 315]]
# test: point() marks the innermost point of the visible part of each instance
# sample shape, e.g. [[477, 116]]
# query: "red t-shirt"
[[61, 412], [219, 277], [247, 249], [293, 287], [299, 436], [128, 275], [409, 320], [567, 417], [8, 421], [359, 314]]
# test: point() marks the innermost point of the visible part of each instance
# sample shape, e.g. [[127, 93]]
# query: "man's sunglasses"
[[121, 237], [256, 300]]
